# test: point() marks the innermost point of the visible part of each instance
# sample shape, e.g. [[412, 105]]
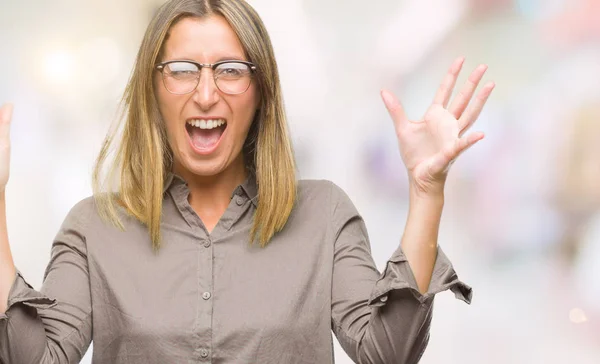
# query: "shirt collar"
[[172, 179], [249, 187]]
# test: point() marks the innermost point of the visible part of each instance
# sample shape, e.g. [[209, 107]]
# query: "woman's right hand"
[[5, 118]]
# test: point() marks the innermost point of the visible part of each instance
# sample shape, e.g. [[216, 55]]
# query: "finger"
[[467, 142], [442, 161], [395, 108], [472, 113], [5, 119], [444, 92], [460, 102]]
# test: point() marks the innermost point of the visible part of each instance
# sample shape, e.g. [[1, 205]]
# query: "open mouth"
[[205, 134]]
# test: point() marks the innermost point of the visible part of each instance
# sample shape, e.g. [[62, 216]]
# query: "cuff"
[[399, 275], [23, 292]]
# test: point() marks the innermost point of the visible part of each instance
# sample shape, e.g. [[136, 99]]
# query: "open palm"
[[428, 146]]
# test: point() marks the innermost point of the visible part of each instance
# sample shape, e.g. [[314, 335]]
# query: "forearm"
[[7, 266], [23, 340], [420, 238]]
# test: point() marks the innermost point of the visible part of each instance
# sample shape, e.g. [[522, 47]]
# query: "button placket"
[[203, 327]]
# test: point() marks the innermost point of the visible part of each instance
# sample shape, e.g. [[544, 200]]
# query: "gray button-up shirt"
[[214, 298]]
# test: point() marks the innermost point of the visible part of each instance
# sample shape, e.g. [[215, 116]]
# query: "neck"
[[210, 195], [213, 190]]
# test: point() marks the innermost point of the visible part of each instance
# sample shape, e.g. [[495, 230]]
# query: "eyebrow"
[[225, 58]]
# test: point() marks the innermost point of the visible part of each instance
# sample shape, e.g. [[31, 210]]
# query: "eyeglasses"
[[183, 77]]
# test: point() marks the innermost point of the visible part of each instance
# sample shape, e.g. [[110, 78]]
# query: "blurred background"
[[522, 218]]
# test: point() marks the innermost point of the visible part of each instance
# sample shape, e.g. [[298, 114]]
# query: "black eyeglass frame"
[[161, 67]]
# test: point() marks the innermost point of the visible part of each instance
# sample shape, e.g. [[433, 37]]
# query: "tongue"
[[205, 138]]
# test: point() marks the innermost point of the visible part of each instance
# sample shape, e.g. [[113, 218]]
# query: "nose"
[[206, 94]]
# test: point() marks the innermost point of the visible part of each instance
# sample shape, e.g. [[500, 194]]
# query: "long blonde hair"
[[143, 156]]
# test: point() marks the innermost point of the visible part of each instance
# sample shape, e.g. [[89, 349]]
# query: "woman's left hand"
[[431, 144]]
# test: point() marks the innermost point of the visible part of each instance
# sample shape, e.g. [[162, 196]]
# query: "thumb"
[[395, 108]]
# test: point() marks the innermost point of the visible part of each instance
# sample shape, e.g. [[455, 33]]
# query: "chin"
[[190, 163], [205, 168]]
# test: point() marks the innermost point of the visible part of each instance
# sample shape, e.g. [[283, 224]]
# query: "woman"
[[211, 252]]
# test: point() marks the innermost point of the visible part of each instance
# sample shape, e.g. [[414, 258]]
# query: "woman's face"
[[197, 151]]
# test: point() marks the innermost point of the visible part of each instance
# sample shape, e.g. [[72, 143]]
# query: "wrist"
[[434, 195]]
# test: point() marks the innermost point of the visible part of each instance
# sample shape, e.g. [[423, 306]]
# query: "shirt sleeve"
[[380, 318], [53, 325]]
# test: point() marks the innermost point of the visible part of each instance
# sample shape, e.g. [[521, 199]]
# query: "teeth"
[[207, 124]]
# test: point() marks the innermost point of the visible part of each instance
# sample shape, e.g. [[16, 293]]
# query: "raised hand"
[[428, 146], [5, 119]]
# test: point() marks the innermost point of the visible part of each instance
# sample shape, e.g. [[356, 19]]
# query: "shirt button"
[[239, 201], [206, 295], [384, 299], [204, 353], [207, 244]]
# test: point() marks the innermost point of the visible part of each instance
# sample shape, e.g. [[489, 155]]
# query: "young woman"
[[207, 249]]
